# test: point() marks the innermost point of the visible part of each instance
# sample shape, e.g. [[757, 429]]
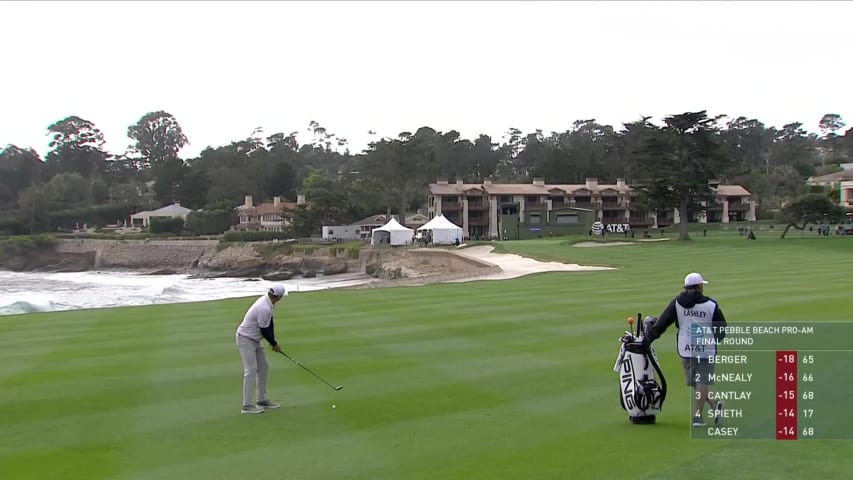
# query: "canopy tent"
[[444, 232], [175, 210], [391, 233]]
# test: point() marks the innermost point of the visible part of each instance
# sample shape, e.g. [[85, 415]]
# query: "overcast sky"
[[224, 68]]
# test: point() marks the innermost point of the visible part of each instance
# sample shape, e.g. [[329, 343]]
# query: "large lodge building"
[[513, 211]]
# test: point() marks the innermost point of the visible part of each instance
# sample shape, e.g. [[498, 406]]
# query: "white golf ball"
[[334, 406]]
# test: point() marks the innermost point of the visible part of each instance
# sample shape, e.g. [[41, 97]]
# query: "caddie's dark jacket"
[[687, 299]]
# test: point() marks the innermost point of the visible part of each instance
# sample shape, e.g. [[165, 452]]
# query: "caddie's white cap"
[[278, 290], [693, 279]]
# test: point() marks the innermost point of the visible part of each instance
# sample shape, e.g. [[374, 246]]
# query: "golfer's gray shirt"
[[257, 317]]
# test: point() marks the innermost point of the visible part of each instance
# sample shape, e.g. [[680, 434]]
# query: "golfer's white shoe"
[[251, 409], [268, 404]]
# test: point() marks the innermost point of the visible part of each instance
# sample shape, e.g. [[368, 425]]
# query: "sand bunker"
[[514, 266], [603, 244]]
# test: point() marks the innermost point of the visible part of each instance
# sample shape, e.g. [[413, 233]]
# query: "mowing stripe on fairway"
[[483, 380]]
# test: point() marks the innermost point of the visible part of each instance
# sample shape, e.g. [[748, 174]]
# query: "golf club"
[[309, 371]]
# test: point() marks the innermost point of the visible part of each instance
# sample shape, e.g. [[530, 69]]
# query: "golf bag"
[[642, 386]]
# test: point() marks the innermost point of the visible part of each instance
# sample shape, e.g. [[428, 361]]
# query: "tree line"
[[670, 164]]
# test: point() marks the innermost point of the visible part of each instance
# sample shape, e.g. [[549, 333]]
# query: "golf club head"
[[339, 387], [648, 323]]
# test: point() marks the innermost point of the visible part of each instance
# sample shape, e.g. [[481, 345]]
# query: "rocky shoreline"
[[269, 261], [199, 258]]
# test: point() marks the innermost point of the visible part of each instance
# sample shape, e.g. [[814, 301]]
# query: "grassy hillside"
[[487, 380]]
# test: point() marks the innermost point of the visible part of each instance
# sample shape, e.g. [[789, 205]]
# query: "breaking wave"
[[29, 292], [23, 306]]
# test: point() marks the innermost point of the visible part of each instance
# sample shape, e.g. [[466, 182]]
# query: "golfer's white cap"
[[278, 290], [693, 279]]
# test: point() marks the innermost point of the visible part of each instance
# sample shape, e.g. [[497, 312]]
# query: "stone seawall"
[[422, 266], [206, 257], [203, 257], [451, 261], [142, 254], [416, 264]]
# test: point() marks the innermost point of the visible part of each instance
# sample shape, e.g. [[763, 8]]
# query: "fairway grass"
[[506, 379]]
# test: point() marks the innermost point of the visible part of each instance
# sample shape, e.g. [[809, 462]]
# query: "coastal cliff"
[[271, 261], [199, 257], [180, 255]]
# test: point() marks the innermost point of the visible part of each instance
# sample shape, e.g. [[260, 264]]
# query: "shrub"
[[211, 222], [160, 225], [12, 226], [26, 243], [98, 215], [305, 249]]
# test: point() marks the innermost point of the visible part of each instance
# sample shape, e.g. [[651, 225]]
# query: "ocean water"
[[27, 292]]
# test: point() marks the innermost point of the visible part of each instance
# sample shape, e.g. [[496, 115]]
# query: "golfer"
[[701, 325], [257, 325]]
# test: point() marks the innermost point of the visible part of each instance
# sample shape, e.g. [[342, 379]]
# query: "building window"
[[612, 216], [506, 199], [535, 218], [530, 199], [566, 219]]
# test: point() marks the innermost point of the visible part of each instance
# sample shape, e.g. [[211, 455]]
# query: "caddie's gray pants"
[[255, 369]]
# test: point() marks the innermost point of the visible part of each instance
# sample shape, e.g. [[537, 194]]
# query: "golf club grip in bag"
[[642, 385]]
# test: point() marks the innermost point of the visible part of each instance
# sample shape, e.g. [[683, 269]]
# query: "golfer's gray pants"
[[255, 369]]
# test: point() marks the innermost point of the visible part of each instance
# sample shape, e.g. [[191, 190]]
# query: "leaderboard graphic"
[[784, 381]]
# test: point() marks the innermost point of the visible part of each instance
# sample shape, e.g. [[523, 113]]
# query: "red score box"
[[786, 395]]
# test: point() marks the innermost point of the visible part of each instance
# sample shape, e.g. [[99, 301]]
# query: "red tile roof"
[[732, 191], [441, 189], [267, 208], [833, 177]]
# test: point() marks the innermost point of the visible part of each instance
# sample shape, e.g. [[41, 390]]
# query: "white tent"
[[391, 233], [444, 232], [175, 210]]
